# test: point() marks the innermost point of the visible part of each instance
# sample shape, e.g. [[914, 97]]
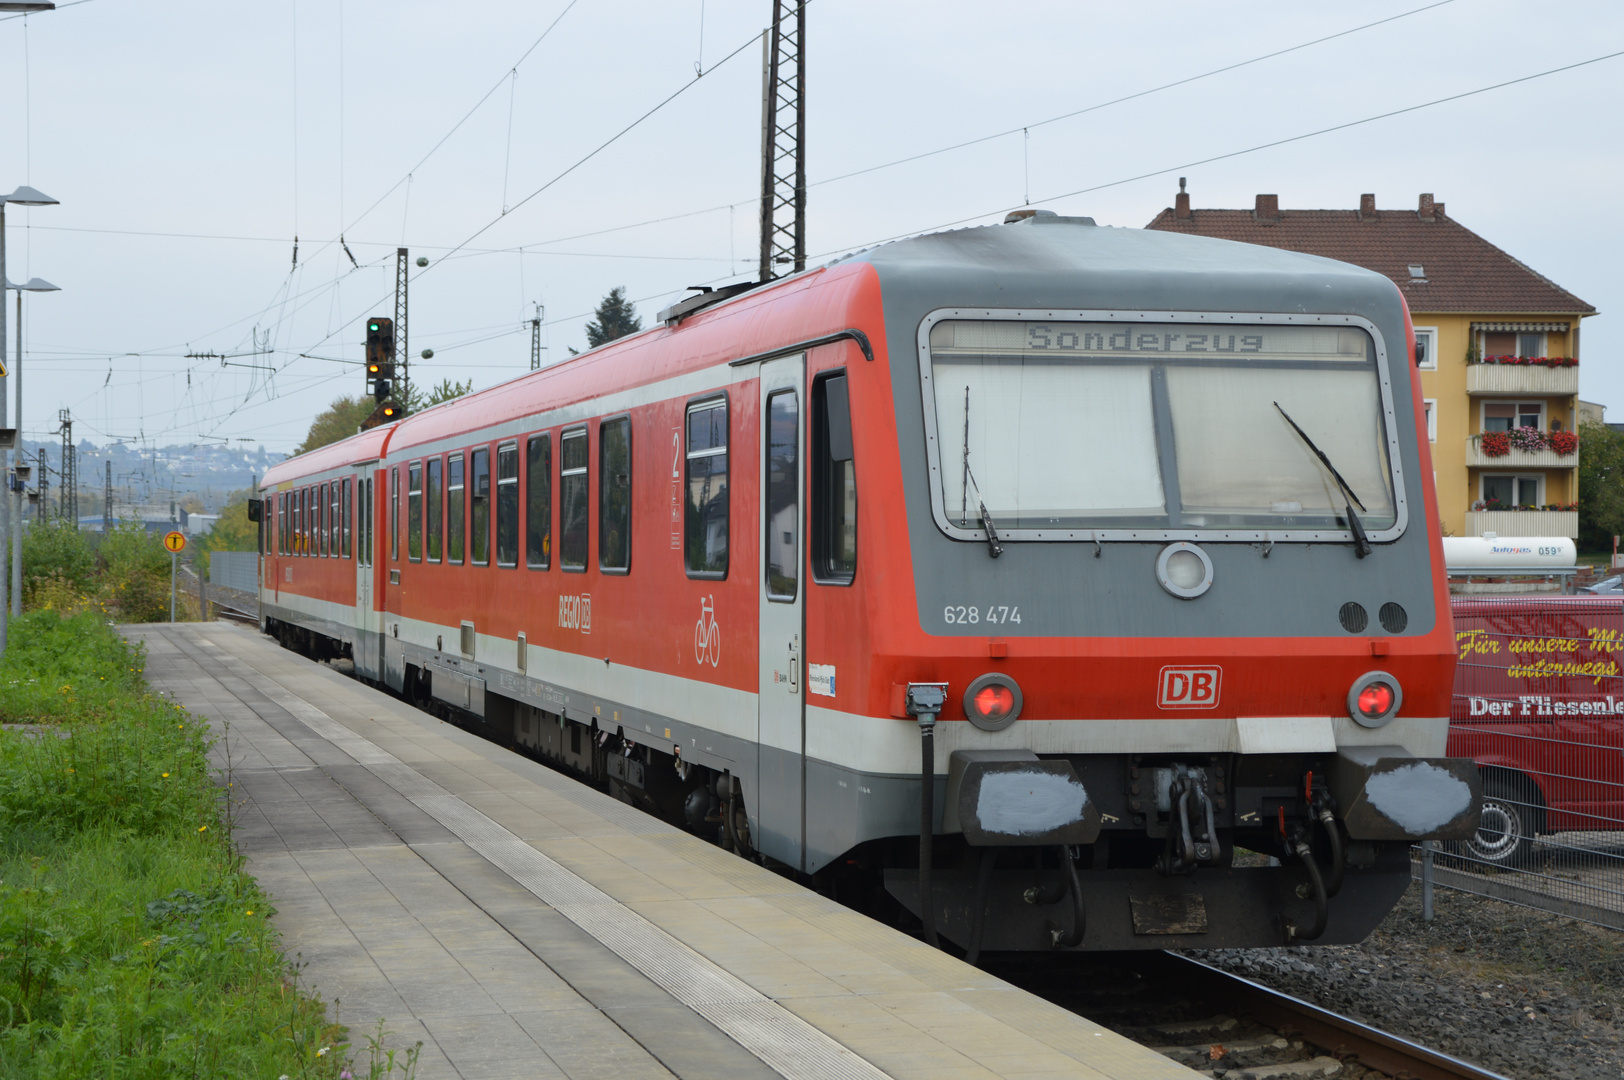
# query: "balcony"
[[1521, 379], [1518, 459], [1523, 523]]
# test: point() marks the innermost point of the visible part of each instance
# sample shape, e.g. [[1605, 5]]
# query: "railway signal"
[[380, 356], [383, 414]]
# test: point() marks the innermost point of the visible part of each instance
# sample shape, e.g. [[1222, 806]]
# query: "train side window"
[[615, 494], [414, 511], [282, 524], [538, 498], [456, 516], [432, 524], [507, 505], [479, 532], [394, 514], [318, 519], [301, 509], [705, 510], [348, 520], [834, 483], [335, 520], [572, 500], [783, 505]]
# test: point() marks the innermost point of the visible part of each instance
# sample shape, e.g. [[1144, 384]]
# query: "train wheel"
[[1505, 836]]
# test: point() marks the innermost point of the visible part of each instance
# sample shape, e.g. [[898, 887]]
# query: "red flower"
[[1495, 443], [1563, 442]]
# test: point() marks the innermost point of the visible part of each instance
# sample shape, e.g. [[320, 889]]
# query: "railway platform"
[[522, 924]]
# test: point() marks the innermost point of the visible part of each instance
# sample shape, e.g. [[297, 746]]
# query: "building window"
[[783, 502], [1502, 492], [456, 520], [538, 499], [615, 494], [414, 512], [1504, 343], [1426, 348], [479, 532], [1503, 416], [706, 506], [507, 505], [834, 483], [572, 500], [1431, 407]]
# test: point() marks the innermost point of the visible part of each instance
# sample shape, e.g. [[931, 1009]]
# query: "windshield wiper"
[[994, 547], [1361, 544]]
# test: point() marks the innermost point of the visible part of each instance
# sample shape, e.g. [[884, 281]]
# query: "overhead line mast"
[[783, 141]]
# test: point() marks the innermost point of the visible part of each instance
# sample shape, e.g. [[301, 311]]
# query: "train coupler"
[[1192, 834]]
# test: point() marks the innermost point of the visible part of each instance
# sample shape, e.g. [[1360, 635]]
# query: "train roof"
[[1047, 261], [366, 446]]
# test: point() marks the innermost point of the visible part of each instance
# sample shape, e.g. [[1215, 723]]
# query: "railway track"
[[1223, 1025]]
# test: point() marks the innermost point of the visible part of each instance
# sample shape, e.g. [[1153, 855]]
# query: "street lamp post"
[[23, 196], [31, 285]]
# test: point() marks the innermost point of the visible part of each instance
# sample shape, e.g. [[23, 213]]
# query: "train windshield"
[[1059, 425]]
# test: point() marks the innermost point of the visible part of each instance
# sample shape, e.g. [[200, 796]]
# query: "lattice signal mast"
[[402, 354], [69, 506], [783, 141]]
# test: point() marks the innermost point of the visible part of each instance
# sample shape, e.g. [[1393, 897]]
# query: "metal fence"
[[1539, 705], [235, 570]]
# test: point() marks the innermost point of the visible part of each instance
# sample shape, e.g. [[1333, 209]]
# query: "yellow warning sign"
[[174, 541]]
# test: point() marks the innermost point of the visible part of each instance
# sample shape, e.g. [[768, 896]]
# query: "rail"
[[1338, 1035]]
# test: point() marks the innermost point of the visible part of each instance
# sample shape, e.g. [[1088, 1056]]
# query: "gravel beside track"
[[1521, 992]]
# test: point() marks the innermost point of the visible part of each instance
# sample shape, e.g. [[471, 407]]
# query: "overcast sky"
[[189, 141]]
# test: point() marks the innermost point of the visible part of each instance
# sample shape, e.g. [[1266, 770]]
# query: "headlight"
[[992, 702], [1374, 699]]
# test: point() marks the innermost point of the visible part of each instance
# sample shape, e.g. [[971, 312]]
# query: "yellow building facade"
[[1497, 351]]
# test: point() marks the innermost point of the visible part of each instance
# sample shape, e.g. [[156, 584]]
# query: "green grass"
[[132, 944]]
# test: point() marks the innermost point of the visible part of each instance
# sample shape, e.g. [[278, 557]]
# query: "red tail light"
[[992, 702], [1374, 699]]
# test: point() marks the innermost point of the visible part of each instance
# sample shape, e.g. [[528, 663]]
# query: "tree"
[[616, 317], [417, 401], [341, 420], [1601, 486], [232, 532]]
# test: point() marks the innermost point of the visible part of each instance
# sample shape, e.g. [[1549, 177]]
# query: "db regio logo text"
[[575, 612]]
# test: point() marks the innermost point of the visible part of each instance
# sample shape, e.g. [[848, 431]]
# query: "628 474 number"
[[993, 613]]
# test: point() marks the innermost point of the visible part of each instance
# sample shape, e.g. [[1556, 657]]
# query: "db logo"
[[1188, 687]]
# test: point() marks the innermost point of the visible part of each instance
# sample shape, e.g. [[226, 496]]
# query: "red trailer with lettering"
[[1539, 705]]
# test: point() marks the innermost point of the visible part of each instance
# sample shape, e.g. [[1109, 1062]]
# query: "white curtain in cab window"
[[1237, 454], [1051, 441]]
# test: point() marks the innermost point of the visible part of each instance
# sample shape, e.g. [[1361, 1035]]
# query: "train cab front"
[[1179, 575]]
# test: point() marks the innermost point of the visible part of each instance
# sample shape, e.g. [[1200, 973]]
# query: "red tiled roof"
[[1463, 272]]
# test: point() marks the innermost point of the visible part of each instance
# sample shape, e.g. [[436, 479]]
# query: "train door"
[[780, 827], [367, 640]]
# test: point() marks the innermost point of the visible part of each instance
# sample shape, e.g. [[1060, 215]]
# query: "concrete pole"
[[6, 498], [17, 513]]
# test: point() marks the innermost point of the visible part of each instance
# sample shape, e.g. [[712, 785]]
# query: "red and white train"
[[1127, 534]]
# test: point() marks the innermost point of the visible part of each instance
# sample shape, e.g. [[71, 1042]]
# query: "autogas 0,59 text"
[[994, 613]]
